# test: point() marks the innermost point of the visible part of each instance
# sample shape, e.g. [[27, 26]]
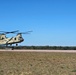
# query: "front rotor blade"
[[14, 31], [28, 32]]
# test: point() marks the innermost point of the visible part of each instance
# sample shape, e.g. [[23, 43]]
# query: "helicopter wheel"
[[12, 48]]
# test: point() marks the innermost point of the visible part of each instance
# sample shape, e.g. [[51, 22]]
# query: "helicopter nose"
[[22, 39]]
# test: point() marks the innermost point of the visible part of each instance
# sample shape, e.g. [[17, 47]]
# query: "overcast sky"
[[53, 21]]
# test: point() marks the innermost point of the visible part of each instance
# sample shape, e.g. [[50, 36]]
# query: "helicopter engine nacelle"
[[2, 36]]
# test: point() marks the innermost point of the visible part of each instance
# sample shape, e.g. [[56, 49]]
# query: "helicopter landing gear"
[[12, 48], [7, 47]]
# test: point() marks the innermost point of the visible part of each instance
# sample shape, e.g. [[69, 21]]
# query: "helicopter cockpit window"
[[20, 38]]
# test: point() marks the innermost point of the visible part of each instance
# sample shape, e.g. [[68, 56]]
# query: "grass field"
[[29, 63]]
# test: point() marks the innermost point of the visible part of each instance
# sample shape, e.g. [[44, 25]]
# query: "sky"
[[53, 22]]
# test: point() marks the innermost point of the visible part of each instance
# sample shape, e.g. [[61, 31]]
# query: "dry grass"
[[29, 63]]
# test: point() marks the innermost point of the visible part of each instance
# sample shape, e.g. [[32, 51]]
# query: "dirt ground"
[[64, 51], [37, 62]]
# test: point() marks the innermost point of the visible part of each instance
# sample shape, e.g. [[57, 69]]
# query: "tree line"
[[43, 47]]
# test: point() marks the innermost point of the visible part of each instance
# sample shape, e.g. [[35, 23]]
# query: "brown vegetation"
[[29, 63]]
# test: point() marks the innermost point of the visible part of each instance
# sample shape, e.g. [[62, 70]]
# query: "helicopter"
[[13, 40]]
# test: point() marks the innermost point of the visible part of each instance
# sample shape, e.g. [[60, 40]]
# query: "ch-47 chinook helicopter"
[[13, 40]]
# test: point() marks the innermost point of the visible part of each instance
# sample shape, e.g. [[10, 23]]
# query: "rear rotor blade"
[[9, 32]]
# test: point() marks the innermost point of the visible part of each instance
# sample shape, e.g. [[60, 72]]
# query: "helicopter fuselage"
[[13, 40]]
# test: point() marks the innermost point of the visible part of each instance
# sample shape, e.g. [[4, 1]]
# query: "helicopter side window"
[[2, 38], [14, 38]]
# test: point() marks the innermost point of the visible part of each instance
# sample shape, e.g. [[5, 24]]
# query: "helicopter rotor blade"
[[11, 31], [15, 32], [28, 32], [4, 32]]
